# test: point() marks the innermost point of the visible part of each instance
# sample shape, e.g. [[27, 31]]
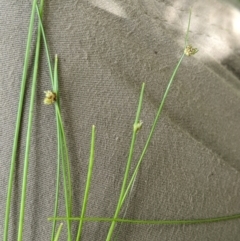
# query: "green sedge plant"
[[63, 162]]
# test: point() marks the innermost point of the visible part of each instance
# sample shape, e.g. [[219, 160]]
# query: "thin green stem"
[[59, 151], [135, 130], [64, 153], [46, 47], [158, 114], [55, 82], [58, 232], [89, 178], [29, 130], [18, 123], [152, 129], [189, 20], [64, 146], [154, 222], [66, 171], [125, 210], [64, 150]]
